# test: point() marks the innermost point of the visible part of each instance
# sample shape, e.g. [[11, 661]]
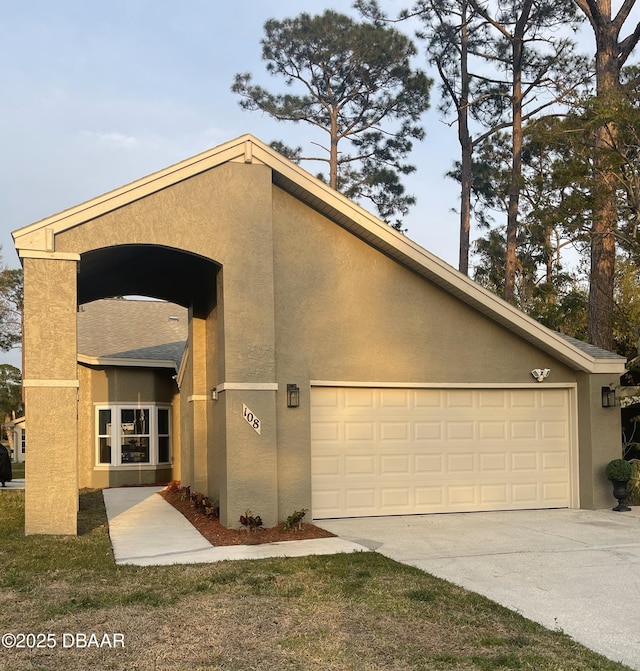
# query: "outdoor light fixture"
[[293, 396], [214, 394], [540, 373], [608, 397]]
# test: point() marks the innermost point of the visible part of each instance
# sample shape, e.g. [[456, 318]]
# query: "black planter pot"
[[620, 493]]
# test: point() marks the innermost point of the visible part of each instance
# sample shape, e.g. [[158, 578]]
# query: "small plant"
[[174, 486], [618, 470], [249, 521], [294, 521], [633, 486]]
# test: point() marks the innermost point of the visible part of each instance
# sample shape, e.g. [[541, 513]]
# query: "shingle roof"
[[132, 330], [592, 350]]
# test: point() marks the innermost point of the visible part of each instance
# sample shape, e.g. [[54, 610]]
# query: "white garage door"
[[403, 451]]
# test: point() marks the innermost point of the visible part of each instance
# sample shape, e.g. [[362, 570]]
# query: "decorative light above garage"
[[541, 374]]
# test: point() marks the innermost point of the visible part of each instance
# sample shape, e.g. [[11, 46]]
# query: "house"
[[331, 363], [16, 438]]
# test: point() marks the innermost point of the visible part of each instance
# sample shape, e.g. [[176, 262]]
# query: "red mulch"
[[217, 534]]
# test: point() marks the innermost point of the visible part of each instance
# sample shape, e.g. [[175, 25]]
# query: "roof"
[[38, 240], [592, 350], [121, 332]]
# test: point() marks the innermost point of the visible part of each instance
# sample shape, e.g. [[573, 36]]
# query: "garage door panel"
[[522, 398], [396, 464], [394, 398], [427, 430], [429, 464], [492, 430], [523, 430], [553, 429], [492, 462], [359, 398], [427, 398], [399, 451], [555, 461], [460, 430], [492, 398], [524, 461]]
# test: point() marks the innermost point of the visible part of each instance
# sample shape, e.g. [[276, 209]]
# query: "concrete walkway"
[[573, 570], [14, 484], [147, 531]]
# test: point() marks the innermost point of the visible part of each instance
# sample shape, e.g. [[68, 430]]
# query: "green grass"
[[341, 612]]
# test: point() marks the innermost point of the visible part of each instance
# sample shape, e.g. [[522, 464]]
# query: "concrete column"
[[246, 355], [201, 397], [50, 378], [251, 456]]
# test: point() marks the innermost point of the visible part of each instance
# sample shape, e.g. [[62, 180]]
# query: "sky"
[[97, 94]]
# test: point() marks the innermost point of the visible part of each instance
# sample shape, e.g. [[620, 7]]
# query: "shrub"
[[294, 521], [618, 469], [249, 521], [633, 486]]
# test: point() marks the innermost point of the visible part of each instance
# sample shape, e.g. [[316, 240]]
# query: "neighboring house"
[[331, 363], [17, 436]]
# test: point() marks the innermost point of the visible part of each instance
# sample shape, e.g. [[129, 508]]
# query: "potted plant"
[[619, 472]]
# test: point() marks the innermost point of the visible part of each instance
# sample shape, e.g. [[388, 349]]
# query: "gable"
[[39, 240]]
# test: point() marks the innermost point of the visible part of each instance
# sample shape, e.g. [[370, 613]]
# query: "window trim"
[[115, 435]]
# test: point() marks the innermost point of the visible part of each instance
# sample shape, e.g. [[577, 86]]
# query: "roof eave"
[[124, 362]]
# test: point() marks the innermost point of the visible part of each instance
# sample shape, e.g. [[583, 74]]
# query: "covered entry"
[[396, 451]]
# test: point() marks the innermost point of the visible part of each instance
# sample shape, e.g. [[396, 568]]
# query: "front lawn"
[[342, 612]]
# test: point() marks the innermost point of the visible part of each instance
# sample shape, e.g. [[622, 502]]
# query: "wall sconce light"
[[293, 396], [608, 397], [540, 373], [214, 394]]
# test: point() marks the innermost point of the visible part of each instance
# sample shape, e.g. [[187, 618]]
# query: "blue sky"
[[96, 95]]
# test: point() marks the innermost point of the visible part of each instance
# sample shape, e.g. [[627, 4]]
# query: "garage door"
[[403, 451]]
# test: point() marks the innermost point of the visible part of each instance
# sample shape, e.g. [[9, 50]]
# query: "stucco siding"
[[356, 314], [346, 312]]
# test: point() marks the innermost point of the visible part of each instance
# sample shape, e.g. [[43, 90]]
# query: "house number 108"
[[251, 419]]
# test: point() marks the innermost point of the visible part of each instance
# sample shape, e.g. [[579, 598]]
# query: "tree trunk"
[[466, 146], [333, 153], [605, 216], [516, 172]]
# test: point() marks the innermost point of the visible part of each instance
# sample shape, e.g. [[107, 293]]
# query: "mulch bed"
[[217, 534]]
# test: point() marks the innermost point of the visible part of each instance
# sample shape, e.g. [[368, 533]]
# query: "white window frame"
[[115, 433]]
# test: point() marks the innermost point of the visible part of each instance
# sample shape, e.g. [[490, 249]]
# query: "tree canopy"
[[10, 391], [354, 82], [11, 301]]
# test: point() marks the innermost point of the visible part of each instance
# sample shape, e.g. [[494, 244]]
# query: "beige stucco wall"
[[50, 390], [346, 312], [224, 215], [300, 299], [599, 432]]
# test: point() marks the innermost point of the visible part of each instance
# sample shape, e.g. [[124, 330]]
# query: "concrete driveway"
[[573, 570]]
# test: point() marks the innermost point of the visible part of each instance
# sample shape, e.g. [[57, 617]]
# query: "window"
[[128, 435]]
